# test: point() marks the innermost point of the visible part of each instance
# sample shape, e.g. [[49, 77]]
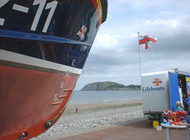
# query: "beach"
[[85, 117]]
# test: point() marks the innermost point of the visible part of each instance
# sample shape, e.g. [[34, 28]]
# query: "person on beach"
[[179, 106], [76, 109]]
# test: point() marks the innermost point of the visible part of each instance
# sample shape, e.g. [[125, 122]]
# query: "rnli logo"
[[157, 82], [156, 87], [81, 32]]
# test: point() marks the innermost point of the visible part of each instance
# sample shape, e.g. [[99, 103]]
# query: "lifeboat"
[[43, 47]]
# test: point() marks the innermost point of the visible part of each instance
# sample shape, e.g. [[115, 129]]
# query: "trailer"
[[161, 90]]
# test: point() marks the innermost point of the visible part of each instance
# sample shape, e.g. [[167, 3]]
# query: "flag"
[[146, 41]]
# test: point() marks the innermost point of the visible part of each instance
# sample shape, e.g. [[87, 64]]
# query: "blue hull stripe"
[[38, 37]]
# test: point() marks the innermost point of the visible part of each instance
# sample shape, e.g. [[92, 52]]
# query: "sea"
[[104, 96]]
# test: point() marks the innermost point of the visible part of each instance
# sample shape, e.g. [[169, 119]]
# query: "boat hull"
[[38, 99], [43, 47]]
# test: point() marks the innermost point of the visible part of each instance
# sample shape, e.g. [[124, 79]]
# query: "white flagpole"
[[139, 55]]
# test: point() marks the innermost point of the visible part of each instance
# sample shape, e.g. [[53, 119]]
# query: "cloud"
[[168, 23], [115, 56]]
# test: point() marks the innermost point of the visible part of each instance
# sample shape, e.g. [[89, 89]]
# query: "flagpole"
[[139, 55]]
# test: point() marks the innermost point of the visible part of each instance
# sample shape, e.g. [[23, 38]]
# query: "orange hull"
[[43, 98]]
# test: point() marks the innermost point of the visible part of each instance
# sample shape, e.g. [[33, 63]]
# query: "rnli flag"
[[146, 41]]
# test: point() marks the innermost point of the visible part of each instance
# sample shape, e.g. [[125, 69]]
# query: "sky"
[[114, 55]]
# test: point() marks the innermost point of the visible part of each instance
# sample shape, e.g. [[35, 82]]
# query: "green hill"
[[103, 86]]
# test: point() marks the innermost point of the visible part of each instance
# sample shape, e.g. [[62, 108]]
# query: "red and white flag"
[[146, 41]]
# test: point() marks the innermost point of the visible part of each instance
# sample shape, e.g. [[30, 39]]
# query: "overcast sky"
[[114, 55]]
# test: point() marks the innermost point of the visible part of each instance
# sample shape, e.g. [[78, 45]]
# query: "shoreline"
[[93, 116], [71, 107]]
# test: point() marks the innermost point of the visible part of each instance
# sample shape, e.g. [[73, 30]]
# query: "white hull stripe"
[[23, 59]]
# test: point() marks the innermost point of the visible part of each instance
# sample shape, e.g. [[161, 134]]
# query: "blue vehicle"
[[161, 90]]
